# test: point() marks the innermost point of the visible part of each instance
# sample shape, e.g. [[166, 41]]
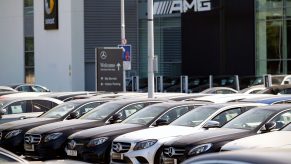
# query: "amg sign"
[[181, 6]]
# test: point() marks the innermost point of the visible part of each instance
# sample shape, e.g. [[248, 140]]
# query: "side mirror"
[[116, 118], [74, 115], [160, 122], [2, 112], [211, 124], [269, 126]]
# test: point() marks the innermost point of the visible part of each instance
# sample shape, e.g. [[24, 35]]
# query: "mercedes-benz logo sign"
[[29, 139], [117, 147], [171, 151], [72, 144], [103, 55]]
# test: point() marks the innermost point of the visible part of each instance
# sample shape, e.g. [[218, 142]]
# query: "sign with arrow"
[[109, 69]]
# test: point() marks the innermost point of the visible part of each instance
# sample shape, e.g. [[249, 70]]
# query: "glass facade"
[[273, 37], [29, 42], [167, 30]]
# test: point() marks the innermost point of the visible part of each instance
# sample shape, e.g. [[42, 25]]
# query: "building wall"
[[59, 54], [102, 23], [11, 42]]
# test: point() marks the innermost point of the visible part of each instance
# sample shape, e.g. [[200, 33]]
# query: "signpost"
[[109, 69], [126, 56]]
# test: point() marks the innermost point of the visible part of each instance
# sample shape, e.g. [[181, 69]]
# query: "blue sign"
[[126, 54]]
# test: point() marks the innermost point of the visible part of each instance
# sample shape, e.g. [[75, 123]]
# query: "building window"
[[29, 42], [273, 37], [167, 29]]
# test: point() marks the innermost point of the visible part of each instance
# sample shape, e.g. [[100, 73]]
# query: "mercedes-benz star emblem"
[[171, 151], [103, 55], [117, 147], [72, 144]]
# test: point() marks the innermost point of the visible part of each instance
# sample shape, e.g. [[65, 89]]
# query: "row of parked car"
[[130, 128]]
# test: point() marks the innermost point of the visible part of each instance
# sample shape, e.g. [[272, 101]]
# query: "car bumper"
[[98, 154], [48, 150], [14, 144], [138, 156]]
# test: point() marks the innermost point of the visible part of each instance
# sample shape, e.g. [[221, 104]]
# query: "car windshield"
[[101, 112], [249, 120], [196, 116], [60, 110], [287, 128], [145, 115]]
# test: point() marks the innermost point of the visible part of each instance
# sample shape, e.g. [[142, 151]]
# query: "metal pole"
[[150, 50], [123, 40]]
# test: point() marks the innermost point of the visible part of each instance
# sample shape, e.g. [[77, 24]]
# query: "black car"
[[252, 156], [255, 121], [12, 133], [48, 141], [94, 145]]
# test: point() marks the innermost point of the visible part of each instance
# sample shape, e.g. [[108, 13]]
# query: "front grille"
[[72, 144], [120, 147], [32, 138], [172, 151]]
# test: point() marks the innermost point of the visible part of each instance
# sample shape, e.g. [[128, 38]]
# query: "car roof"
[[170, 104], [31, 98], [275, 107], [268, 100], [245, 156], [222, 98]]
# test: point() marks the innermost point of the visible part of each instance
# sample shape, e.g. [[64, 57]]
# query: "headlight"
[[13, 133], [144, 144], [97, 141], [52, 136], [200, 149]]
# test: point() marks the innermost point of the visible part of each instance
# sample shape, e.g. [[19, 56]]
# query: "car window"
[[17, 107], [226, 116], [41, 105], [25, 89], [173, 114], [87, 107], [286, 91], [130, 109], [282, 119], [39, 89]]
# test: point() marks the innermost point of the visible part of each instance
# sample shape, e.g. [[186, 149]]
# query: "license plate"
[[29, 147], [170, 161], [117, 156], [71, 152]]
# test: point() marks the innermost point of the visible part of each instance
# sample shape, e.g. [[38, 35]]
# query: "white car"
[[223, 98], [276, 139], [142, 146]]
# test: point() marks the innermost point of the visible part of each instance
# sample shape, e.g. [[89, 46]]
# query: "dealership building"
[[52, 42]]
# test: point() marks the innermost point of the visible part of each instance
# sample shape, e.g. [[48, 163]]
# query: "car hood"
[[157, 133], [280, 139], [26, 123], [65, 125], [108, 130], [210, 136]]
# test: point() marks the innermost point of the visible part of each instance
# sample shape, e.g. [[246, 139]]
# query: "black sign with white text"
[[51, 14], [109, 69]]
